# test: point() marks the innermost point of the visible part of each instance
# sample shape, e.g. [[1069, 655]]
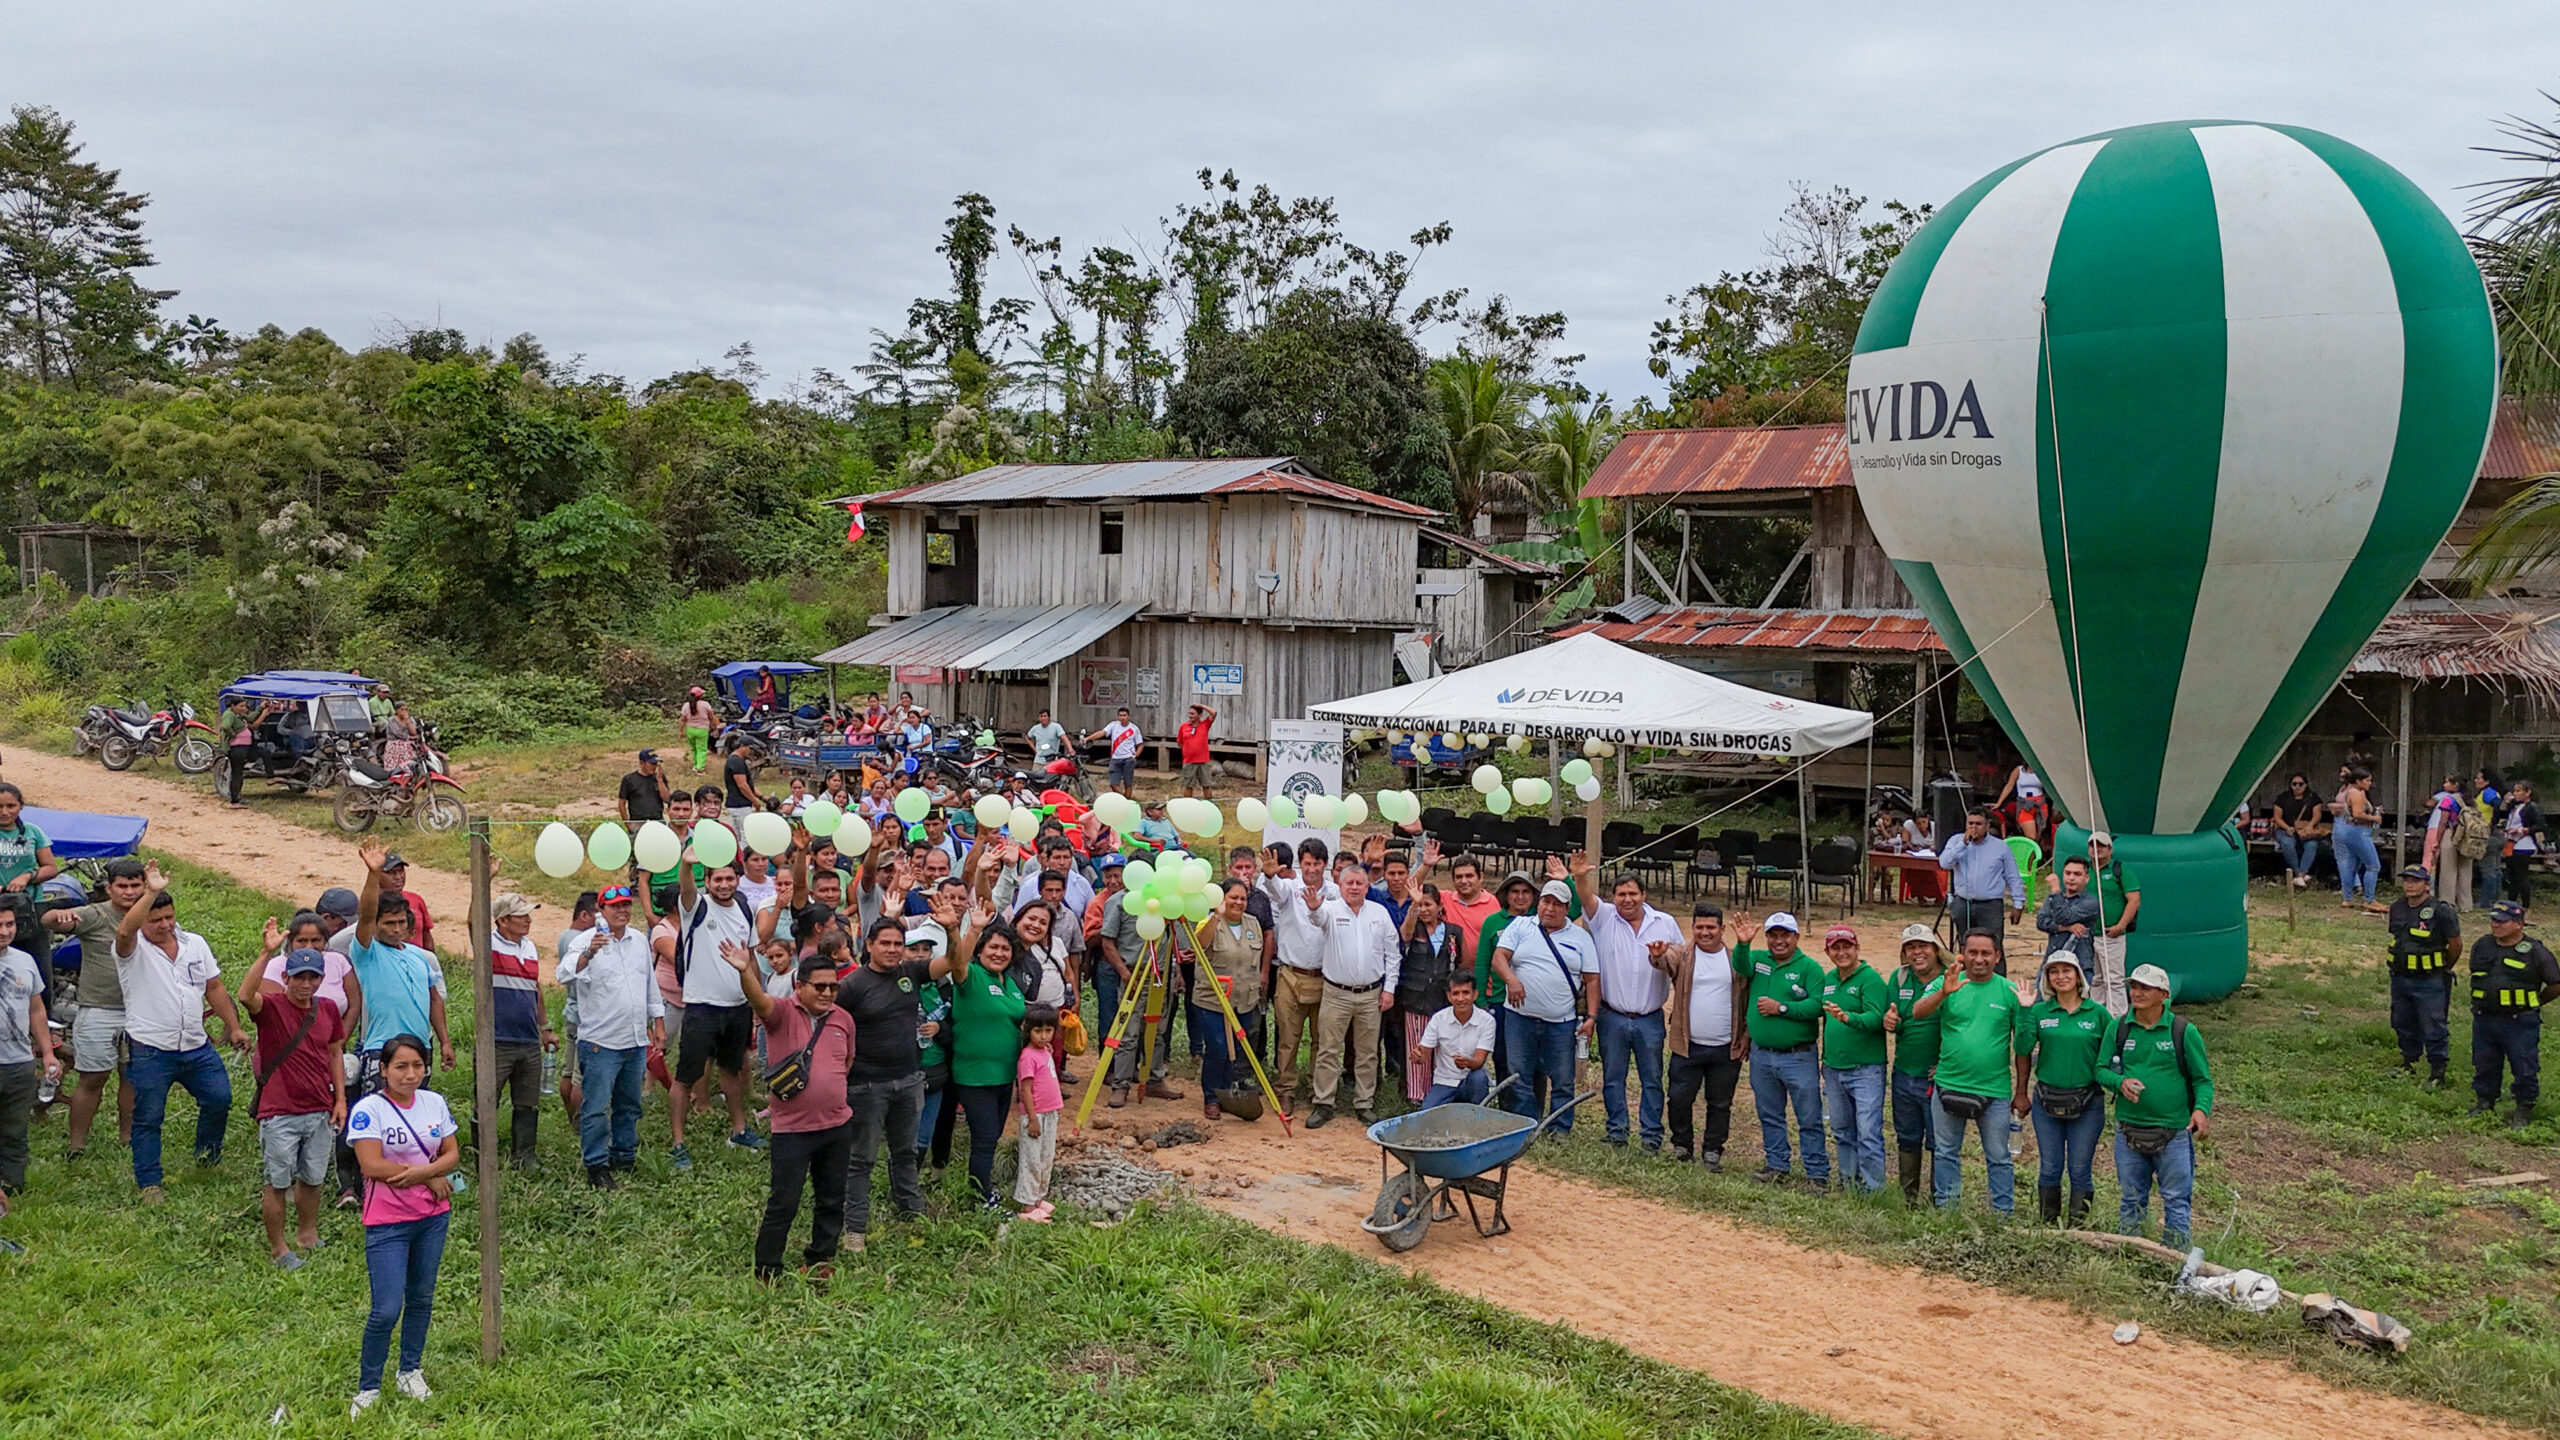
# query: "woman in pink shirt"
[[404, 1141]]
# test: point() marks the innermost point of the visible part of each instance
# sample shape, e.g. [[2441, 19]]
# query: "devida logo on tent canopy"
[[1589, 699]]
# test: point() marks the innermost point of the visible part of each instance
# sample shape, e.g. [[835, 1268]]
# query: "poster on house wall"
[[1305, 759], [1102, 683], [1150, 686], [1217, 679]]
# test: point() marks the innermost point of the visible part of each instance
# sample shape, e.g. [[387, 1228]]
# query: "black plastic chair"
[[1833, 864], [1655, 854], [1706, 864], [1778, 860], [1741, 851]]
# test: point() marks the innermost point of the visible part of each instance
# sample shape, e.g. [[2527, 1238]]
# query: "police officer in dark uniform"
[[2512, 978], [2426, 935]]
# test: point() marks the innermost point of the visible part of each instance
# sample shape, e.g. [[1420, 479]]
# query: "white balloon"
[[656, 847], [1355, 811], [1517, 744], [1151, 927], [557, 851], [1323, 812], [1525, 790], [714, 844], [1023, 825], [767, 833], [1588, 790], [1486, 780], [992, 811], [1252, 814], [1592, 745], [1478, 739], [1608, 748], [853, 836], [1449, 738]]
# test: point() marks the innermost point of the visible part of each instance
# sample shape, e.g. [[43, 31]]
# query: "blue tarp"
[[336, 677], [80, 835], [277, 685], [738, 677]]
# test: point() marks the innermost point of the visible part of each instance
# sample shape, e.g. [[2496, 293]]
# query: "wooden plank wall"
[[904, 534], [1285, 671], [1850, 571]]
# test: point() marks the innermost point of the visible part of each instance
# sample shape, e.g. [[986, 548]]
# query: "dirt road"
[[1832, 1333], [257, 850]]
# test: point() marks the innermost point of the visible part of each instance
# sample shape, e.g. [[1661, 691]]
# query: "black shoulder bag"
[[788, 1077], [267, 1072]]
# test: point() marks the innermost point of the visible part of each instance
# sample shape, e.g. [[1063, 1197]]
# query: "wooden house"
[[2451, 681], [1254, 586]]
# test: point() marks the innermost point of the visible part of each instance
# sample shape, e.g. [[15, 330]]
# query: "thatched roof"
[[2500, 645]]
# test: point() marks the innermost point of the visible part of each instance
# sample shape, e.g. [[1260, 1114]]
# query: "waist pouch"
[[2065, 1102], [2147, 1139], [1963, 1106]]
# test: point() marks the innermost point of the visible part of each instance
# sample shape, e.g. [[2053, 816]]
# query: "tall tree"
[[1480, 403], [72, 308], [1323, 378]]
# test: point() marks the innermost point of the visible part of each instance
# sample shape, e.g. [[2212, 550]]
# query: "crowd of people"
[[834, 1011]]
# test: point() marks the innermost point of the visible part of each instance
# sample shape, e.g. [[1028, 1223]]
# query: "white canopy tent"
[[1589, 687]]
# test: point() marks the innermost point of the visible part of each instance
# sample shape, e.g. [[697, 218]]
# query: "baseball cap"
[[1917, 931], [1782, 921], [338, 900], [1840, 932], [2151, 975], [614, 895], [2506, 910], [1557, 891], [696, 690], [2065, 957], [393, 861], [507, 907], [306, 961], [1111, 860], [648, 757], [2416, 872], [2101, 837]]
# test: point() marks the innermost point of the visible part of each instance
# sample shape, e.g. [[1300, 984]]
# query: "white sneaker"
[[413, 1383], [363, 1402]]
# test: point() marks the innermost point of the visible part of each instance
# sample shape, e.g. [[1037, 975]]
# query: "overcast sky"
[[649, 185]]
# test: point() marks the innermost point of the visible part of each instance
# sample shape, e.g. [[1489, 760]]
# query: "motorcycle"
[[423, 791], [318, 768], [95, 726], [1069, 773], [132, 734]]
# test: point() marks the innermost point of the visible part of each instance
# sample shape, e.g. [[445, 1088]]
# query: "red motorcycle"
[[129, 734], [425, 791]]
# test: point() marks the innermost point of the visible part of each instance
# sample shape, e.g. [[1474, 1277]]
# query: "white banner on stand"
[[1305, 758]]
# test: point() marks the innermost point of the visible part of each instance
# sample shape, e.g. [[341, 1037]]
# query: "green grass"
[[633, 1313], [2326, 1169]]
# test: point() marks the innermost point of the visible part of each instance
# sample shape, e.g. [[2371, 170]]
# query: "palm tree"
[[2515, 233], [896, 370], [1480, 402], [1569, 439]]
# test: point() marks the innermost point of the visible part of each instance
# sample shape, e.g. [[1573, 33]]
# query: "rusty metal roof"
[[1723, 461], [1478, 550], [1902, 632], [1136, 480], [2525, 440], [986, 637]]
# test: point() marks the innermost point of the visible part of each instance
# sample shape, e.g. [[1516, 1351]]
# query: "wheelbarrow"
[[1449, 1153]]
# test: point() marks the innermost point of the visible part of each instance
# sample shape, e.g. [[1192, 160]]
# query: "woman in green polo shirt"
[[986, 1041], [2058, 1044]]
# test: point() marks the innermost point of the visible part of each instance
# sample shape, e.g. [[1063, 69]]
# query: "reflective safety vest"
[[2511, 984], [2422, 946]]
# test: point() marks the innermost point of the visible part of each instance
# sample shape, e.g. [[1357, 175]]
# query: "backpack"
[[2470, 831], [685, 933], [2177, 1046]]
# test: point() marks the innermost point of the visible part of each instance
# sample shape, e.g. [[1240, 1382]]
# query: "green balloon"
[[1195, 906], [912, 804], [610, 847]]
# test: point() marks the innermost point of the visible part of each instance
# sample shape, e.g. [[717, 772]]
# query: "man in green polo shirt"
[[2119, 906], [1915, 1050], [2155, 1064], [1783, 1014], [1854, 1000], [1977, 1015]]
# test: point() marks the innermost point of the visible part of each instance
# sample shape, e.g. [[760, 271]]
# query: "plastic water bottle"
[[550, 1071]]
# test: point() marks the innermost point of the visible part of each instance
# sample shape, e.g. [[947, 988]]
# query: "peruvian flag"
[[854, 531]]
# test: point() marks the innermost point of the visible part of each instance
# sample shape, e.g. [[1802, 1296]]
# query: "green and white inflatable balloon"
[[2157, 425]]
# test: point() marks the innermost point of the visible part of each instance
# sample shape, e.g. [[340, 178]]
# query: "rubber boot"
[[1910, 1171], [2048, 1204], [2435, 1076], [2080, 1202], [2524, 1115]]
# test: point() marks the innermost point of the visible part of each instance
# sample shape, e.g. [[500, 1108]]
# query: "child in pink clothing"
[[1036, 1091]]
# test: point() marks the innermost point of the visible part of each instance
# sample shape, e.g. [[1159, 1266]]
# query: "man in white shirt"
[[1543, 959], [1707, 1047], [1459, 1043], [621, 1020], [718, 1027], [1125, 740], [1297, 988], [169, 977], [1362, 955], [1635, 944]]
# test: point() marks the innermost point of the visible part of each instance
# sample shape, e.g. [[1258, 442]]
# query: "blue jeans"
[[2359, 865], [2299, 854], [931, 1113], [1912, 1127], [1946, 1168], [1854, 1098], [2489, 878], [1639, 1036], [1217, 1072], [2071, 1144], [2174, 1168], [609, 1117], [1777, 1081], [1542, 1053], [400, 1259], [200, 1072], [1469, 1091]]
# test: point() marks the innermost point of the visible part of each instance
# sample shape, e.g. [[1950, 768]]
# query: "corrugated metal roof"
[[982, 637], [1478, 550], [2525, 440], [1905, 632], [1722, 461], [1135, 480]]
